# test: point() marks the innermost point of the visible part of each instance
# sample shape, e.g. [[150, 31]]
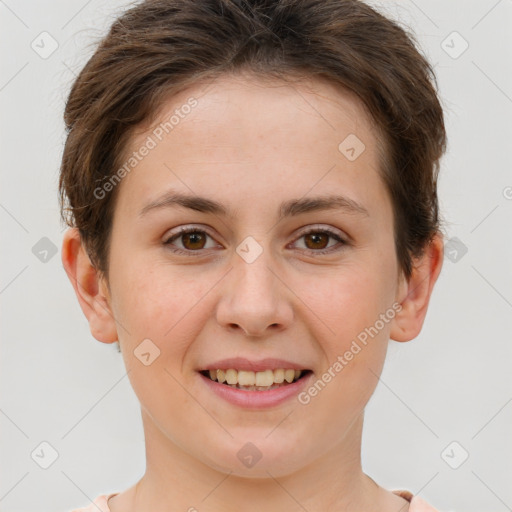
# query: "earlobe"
[[89, 286], [414, 294]]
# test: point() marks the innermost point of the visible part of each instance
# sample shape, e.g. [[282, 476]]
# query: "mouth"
[[256, 381]]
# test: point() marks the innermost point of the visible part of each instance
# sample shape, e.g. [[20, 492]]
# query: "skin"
[[252, 144]]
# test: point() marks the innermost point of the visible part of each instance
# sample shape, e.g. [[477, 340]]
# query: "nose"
[[254, 297]]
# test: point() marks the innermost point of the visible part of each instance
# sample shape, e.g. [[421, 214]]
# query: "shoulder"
[[99, 504], [420, 505], [417, 503]]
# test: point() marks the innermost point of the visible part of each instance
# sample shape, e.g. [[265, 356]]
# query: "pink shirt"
[[417, 504]]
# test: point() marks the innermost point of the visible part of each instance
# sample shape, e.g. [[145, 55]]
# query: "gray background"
[[452, 384]]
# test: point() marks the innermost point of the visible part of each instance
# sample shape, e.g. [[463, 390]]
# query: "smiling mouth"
[[255, 381]]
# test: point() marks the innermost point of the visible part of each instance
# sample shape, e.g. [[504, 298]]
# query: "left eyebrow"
[[289, 208]]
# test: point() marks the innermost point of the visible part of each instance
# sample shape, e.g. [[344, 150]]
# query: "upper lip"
[[241, 363]]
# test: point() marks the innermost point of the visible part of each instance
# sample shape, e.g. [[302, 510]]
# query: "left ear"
[[414, 294]]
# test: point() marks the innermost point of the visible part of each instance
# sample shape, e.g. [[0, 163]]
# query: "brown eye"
[[192, 240], [318, 240]]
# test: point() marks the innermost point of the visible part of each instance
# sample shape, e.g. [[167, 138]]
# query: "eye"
[[316, 240], [192, 239]]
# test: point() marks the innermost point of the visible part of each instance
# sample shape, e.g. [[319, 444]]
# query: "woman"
[[251, 190]]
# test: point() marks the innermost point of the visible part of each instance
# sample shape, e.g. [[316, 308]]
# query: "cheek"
[[351, 303], [348, 300], [162, 304], [355, 345]]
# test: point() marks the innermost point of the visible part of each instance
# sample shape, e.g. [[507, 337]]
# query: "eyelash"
[[198, 252]]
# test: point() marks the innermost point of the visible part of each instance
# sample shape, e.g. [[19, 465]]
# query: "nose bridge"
[[253, 298], [252, 276]]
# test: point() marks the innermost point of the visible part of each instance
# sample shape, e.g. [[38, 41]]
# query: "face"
[[257, 276]]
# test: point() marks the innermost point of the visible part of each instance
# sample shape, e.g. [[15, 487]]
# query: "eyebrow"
[[288, 208]]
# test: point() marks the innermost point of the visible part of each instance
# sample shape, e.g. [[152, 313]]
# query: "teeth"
[[289, 375], [264, 379], [231, 376], [247, 379], [279, 376]]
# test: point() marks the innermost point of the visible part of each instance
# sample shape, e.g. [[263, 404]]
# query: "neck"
[[174, 480]]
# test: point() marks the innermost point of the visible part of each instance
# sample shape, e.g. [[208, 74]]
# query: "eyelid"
[[321, 227], [343, 239], [183, 230]]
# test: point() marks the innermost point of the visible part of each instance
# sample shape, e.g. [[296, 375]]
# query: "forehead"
[[252, 98], [243, 134], [316, 102]]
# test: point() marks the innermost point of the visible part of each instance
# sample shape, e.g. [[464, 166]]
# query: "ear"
[[90, 288], [414, 294]]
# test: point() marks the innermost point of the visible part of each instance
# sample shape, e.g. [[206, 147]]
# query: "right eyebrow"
[[288, 208]]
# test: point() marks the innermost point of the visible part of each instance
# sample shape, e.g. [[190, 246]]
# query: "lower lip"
[[257, 399]]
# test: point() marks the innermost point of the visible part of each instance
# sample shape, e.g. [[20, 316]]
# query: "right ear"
[[90, 287]]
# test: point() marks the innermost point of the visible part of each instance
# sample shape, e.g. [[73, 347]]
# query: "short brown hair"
[[162, 46]]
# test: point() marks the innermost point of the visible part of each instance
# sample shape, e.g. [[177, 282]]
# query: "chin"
[[257, 456]]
